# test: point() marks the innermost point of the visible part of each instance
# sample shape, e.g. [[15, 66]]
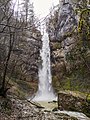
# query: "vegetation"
[[19, 44], [72, 71]]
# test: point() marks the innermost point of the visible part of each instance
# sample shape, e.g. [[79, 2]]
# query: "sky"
[[41, 7]]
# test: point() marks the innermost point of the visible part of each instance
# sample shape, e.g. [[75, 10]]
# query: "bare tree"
[[21, 41]]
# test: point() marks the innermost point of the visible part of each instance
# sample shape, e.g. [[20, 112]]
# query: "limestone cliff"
[[63, 28]]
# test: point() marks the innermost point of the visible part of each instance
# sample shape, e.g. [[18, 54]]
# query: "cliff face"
[[60, 36], [63, 27]]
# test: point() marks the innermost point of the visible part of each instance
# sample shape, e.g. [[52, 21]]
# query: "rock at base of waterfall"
[[71, 102]]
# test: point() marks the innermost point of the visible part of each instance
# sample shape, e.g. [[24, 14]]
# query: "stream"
[[49, 106]]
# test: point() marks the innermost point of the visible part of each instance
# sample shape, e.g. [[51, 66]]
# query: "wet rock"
[[24, 110], [67, 101], [36, 104]]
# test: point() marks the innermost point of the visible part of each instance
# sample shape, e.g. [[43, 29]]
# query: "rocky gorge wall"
[[63, 26]]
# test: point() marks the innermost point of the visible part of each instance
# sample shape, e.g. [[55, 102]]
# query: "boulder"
[[70, 102]]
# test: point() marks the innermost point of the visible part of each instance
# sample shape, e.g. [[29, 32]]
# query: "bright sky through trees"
[[41, 7]]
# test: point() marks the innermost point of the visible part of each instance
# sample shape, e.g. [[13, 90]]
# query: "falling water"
[[45, 90]]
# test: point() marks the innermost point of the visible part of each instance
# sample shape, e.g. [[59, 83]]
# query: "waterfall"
[[45, 90]]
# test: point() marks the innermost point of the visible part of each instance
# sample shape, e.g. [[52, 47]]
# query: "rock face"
[[67, 101], [63, 23], [62, 27], [70, 101]]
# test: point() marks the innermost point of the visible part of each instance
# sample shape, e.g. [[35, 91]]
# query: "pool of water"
[[51, 105]]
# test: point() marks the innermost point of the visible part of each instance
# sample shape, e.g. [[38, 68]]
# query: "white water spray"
[[45, 90]]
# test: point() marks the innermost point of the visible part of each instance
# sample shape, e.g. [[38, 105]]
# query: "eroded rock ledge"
[[71, 102]]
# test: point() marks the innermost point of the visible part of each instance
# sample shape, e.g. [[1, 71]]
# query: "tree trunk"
[[3, 89]]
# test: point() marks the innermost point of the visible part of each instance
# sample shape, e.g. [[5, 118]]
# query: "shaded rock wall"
[[62, 27], [67, 101]]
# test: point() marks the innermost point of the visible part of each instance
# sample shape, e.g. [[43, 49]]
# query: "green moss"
[[83, 28], [56, 45], [80, 25], [88, 97], [20, 93], [68, 84]]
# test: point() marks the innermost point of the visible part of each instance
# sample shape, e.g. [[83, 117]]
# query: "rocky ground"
[[15, 109]]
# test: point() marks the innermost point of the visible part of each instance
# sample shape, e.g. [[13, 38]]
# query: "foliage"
[[19, 45]]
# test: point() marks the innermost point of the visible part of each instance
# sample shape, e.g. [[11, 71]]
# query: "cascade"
[[45, 90]]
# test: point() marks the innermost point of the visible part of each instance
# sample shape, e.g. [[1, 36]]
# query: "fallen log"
[[35, 104]]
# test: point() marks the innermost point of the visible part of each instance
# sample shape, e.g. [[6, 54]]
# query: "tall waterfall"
[[45, 90]]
